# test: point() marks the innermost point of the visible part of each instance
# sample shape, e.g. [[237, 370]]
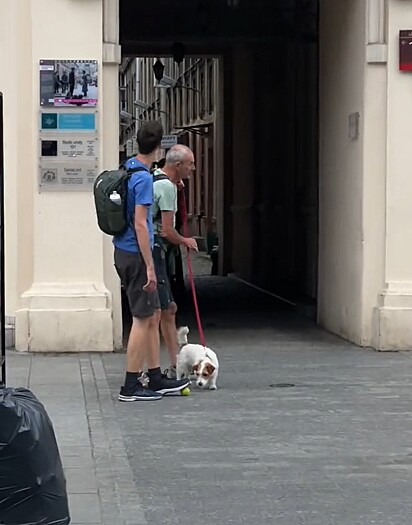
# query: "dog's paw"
[[213, 387]]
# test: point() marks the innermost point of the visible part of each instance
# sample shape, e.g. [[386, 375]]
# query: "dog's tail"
[[182, 335]]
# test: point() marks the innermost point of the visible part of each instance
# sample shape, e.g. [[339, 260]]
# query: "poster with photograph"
[[68, 83]]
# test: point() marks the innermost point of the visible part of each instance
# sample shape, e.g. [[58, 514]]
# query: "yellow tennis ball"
[[185, 392]]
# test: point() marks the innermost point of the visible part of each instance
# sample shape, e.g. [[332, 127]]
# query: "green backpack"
[[110, 199]]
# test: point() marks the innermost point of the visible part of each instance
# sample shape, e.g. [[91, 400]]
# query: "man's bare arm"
[[142, 234], [171, 235]]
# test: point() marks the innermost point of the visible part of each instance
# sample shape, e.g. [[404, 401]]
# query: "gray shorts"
[[131, 269], [162, 275]]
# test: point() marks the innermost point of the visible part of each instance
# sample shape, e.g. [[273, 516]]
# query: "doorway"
[[266, 187]]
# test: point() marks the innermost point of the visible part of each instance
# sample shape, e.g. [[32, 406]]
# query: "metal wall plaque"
[[78, 148], [69, 147], [61, 177], [68, 122]]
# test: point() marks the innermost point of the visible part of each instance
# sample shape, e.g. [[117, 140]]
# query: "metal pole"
[[2, 272]]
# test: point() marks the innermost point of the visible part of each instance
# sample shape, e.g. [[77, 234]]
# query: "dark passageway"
[[227, 304], [266, 143]]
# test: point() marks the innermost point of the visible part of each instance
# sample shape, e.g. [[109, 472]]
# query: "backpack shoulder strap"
[[159, 177], [130, 171]]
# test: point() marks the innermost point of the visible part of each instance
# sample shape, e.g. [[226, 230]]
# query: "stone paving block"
[[60, 394], [73, 438], [77, 457], [63, 374], [81, 481], [18, 369], [18, 380], [85, 508]]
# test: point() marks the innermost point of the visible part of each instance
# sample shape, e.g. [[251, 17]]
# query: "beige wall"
[[341, 235], [18, 128], [392, 328], [374, 188], [57, 277], [365, 258]]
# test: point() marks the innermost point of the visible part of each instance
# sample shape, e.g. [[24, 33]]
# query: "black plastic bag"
[[32, 482]]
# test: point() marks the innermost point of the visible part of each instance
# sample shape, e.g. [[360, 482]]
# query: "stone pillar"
[[341, 105], [377, 49], [374, 131], [67, 305], [15, 55], [392, 322], [110, 133]]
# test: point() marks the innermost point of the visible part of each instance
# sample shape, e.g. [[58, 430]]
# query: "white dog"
[[198, 360]]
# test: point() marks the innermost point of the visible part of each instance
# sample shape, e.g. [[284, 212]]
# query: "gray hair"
[[177, 153]]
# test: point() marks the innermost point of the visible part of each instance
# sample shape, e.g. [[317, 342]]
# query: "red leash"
[[183, 210]]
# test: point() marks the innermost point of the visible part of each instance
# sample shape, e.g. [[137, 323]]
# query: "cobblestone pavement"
[[304, 428]]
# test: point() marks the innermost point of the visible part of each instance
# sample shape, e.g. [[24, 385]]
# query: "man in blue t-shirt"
[[134, 264]]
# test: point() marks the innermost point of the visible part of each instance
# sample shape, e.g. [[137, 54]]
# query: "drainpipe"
[[163, 114]]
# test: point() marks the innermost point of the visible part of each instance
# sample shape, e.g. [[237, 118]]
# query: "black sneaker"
[[163, 385], [140, 392]]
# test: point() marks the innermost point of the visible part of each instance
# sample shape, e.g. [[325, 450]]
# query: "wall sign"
[[74, 148], [73, 121], [68, 149], [168, 141], [61, 177], [405, 50], [68, 126], [68, 83]]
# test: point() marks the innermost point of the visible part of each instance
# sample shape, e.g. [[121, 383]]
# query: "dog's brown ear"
[[209, 368], [195, 368]]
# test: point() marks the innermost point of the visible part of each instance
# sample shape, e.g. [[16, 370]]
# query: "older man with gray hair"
[[179, 165]]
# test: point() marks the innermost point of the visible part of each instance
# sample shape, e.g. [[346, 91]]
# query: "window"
[[194, 99], [211, 100], [202, 90]]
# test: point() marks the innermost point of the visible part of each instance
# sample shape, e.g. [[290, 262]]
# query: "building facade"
[[183, 100], [309, 142]]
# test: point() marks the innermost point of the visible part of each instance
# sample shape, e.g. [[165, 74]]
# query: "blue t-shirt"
[[139, 192]]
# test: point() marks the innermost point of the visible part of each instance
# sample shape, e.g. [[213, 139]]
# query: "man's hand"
[[151, 284], [180, 185], [191, 244]]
